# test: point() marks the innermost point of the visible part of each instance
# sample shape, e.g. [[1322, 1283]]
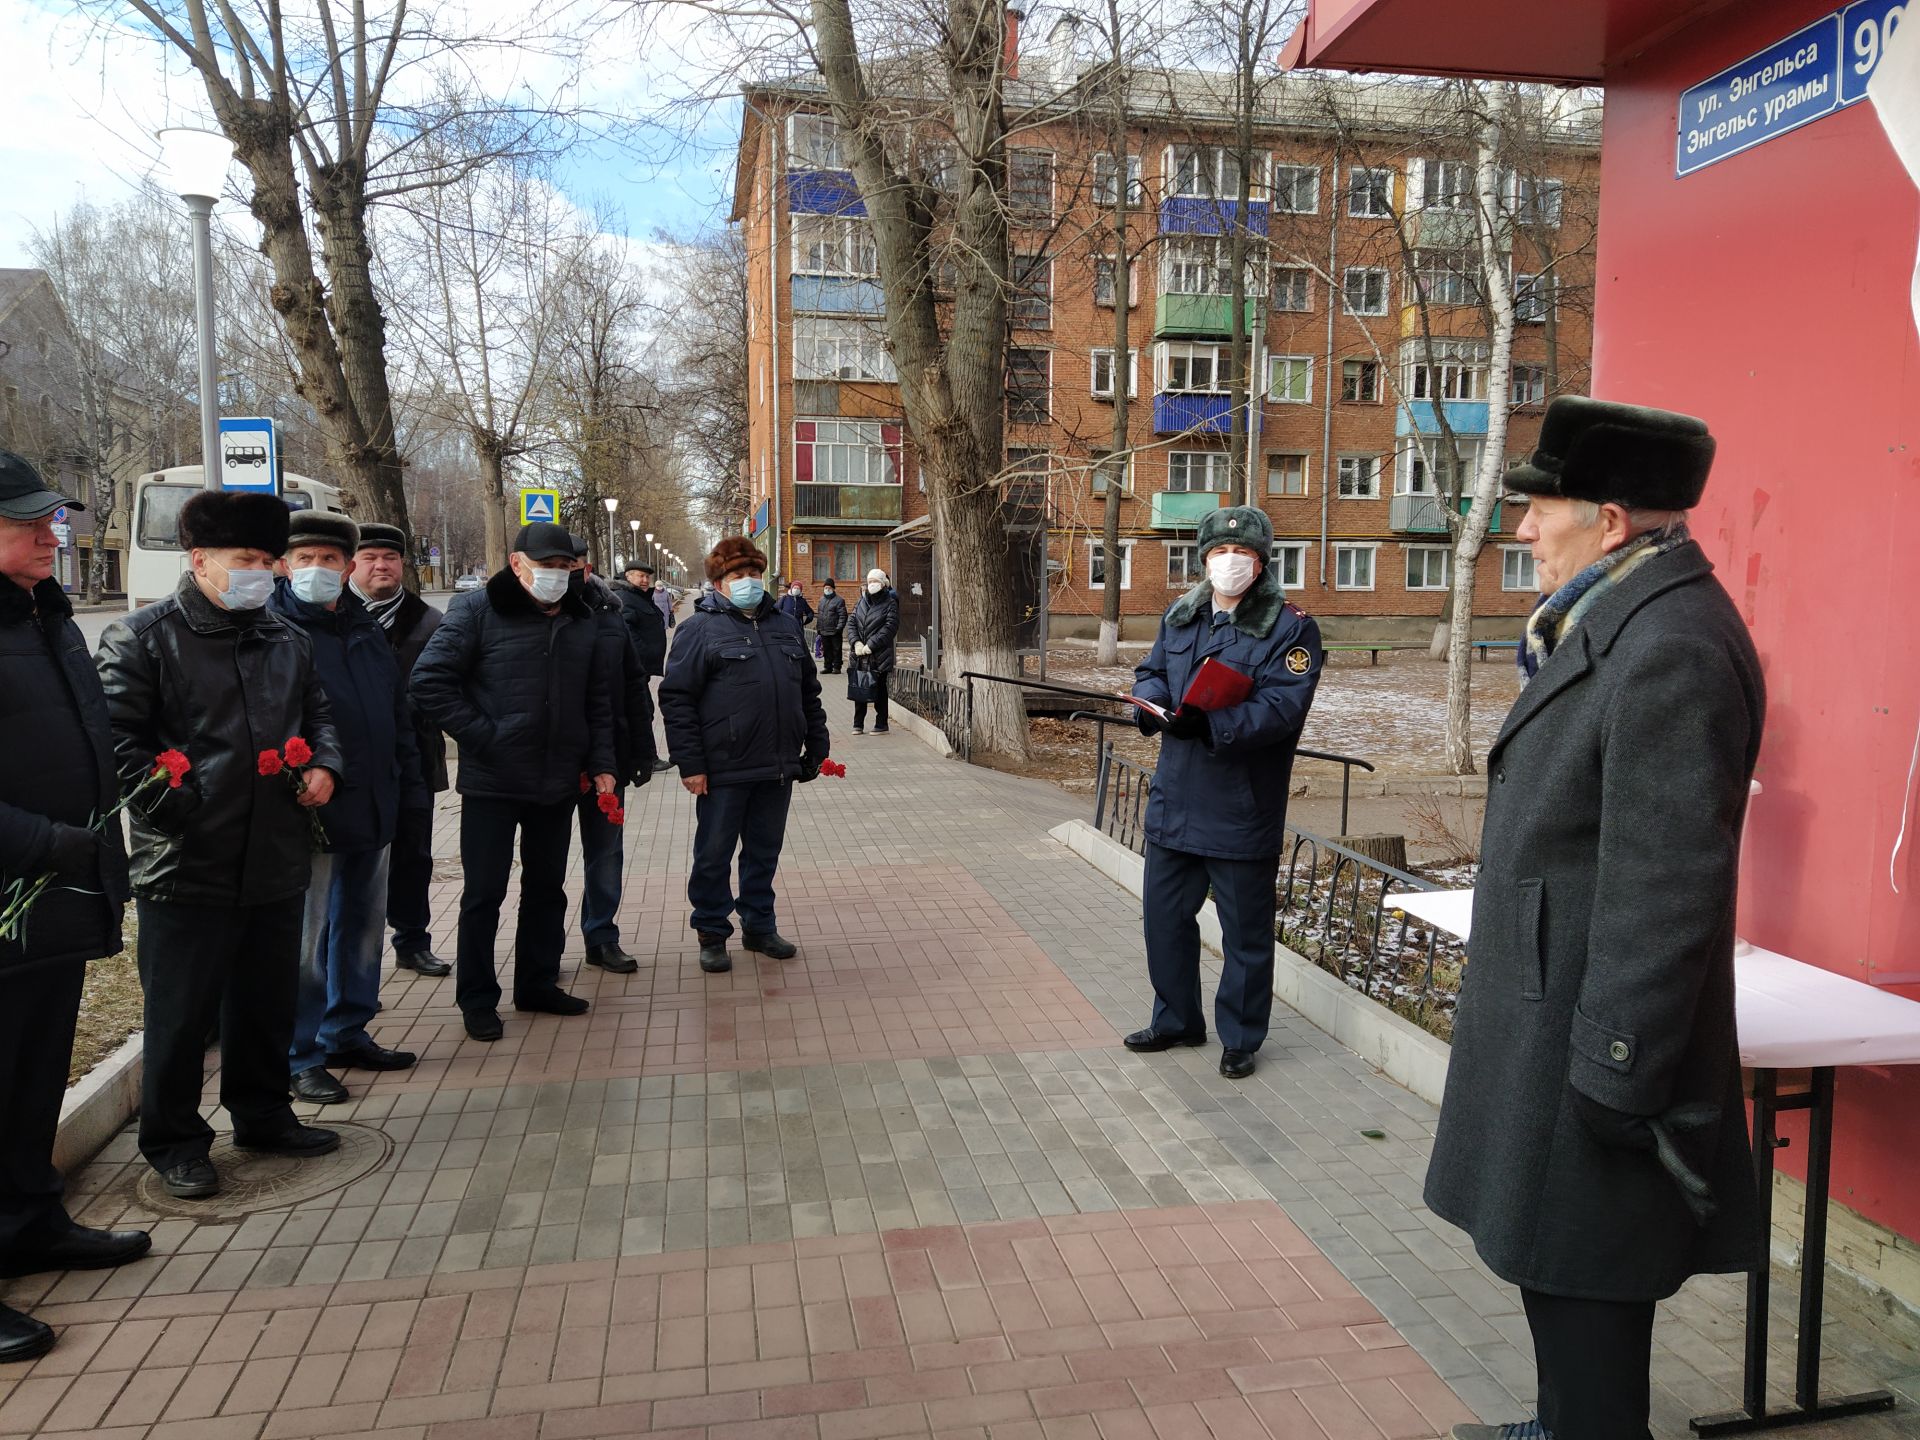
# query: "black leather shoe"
[[79, 1249], [191, 1180], [483, 1024], [773, 946], [713, 955], [371, 1057], [423, 963], [22, 1337], [1152, 1042], [879, 729], [300, 1140], [1236, 1064], [612, 959], [553, 1002], [662, 765], [317, 1087]]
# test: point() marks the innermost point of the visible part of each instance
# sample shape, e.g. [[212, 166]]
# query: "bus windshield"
[[158, 526]]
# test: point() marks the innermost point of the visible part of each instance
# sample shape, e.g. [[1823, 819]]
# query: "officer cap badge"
[[1298, 661], [1233, 524]]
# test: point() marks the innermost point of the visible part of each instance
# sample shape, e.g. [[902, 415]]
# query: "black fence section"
[[932, 699]]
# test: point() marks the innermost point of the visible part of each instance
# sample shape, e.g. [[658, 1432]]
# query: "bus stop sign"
[[249, 454]]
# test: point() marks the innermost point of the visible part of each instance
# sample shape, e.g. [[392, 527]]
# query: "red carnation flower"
[[834, 769], [173, 764], [608, 803], [298, 751], [585, 783], [617, 816], [270, 762]]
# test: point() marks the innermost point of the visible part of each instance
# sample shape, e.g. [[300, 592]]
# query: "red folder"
[[1214, 687]]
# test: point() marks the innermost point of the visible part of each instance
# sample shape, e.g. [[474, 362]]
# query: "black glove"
[[1150, 723], [1615, 1129], [1189, 724], [809, 770], [74, 856]]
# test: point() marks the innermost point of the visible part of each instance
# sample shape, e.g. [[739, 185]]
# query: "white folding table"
[[1790, 1016]]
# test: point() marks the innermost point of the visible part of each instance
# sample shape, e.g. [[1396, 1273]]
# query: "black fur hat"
[[323, 527], [1608, 453], [234, 520]]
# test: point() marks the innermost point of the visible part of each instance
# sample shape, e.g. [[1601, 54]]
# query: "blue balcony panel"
[[837, 295], [1464, 417], [1195, 215], [824, 192], [1192, 414]]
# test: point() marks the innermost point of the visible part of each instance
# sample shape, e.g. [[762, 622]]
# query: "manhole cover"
[[251, 1182]]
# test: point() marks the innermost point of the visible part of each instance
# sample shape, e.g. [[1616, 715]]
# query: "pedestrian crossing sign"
[[539, 505]]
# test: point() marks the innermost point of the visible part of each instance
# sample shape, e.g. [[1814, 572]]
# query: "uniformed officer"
[[1216, 817]]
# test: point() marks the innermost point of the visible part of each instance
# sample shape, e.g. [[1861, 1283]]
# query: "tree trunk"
[[102, 502], [493, 504], [1388, 850]]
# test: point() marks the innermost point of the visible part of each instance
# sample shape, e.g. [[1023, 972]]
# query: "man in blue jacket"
[[1217, 814], [341, 931], [741, 701]]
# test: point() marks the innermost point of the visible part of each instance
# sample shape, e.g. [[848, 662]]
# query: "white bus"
[[155, 560]]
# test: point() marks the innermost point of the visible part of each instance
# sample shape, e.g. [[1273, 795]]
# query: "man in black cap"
[[1593, 1139], [379, 581], [648, 622], [220, 865], [511, 676], [57, 775]]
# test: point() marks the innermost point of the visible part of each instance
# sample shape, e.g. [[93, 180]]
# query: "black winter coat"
[[647, 624], [56, 767], [357, 669], [413, 625], [626, 683], [876, 620], [187, 674], [741, 699], [1601, 960], [517, 690], [797, 607], [831, 618]]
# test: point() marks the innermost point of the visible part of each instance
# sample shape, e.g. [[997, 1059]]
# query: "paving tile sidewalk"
[[907, 1184]]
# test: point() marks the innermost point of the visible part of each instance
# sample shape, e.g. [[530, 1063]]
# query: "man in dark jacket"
[[744, 719], [830, 624], [346, 903], [794, 605], [221, 865], [379, 583], [57, 775], [876, 620], [1593, 1139], [1217, 815], [648, 620], [510, 675]]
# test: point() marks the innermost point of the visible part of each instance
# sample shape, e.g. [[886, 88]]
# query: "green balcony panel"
[[1210, 315], [1184, 510]]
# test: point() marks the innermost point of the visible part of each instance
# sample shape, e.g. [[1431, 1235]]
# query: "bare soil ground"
[[111, 1008]]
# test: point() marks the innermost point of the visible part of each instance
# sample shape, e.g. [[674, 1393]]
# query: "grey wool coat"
[[1601, 959]]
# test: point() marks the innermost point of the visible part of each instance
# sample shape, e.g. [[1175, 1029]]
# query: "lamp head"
[[195, 161]]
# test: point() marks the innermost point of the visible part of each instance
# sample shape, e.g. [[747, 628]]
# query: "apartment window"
[[1030, 184], [1296, 189], [936, 165], [825, 348], [1106, 180], [1456, 370], [1353, 567], [1183, 568], [1210, 171], [1102, 368], [1287, 475], [1290, 379], [1359, 477], [1369, 193], [1529, 385], [1536, 200], [846, 452], [1427, 567], [1365, 291], [1109, 469], [1360, 381], [1198, 265], [1292, 287], [1447, 277], [1031, 277], [1516, 568], [1424, 471], [1184, 367], [1097, 565], [1029, 385], [1534, 298], [1445, 184], [813, 143], [1289, 559], [834, 245], [1195, 471], [1103, 282], [842, 560]]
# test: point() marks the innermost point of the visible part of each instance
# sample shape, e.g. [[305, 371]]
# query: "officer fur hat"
[[234, 520], [323, 527], [1246, 525], [375, 536], [733, 553], [1609, 453]]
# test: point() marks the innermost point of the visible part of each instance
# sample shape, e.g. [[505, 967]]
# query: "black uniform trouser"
[[409, 876], [751, 819], [1243, 896], [1593, 1358], [879, 702], [38, 1009], [241, 965], [830, 651], [487, 828]]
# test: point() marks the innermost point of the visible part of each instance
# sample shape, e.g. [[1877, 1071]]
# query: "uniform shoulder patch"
[[1298, 661]]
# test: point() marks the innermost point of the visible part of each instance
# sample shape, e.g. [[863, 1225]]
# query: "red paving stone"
[[946, 1332]]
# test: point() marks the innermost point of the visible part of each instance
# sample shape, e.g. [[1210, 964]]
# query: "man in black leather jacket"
[[221, 865]]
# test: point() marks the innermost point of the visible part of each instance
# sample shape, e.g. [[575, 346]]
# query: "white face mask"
[[246, 589], [548, 586], [316, 584], [874, 587], [1230, 574]]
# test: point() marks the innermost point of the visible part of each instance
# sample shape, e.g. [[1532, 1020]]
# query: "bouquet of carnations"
[[292, 759]]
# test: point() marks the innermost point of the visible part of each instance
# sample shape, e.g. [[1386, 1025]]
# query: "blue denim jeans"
[[752, 819], [602, 858], [340, 941]]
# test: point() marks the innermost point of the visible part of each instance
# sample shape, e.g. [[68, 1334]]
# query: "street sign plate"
[[1791, 83], [63, 533], [60, 516], [539, 505], [249, 454], [1865, 29], [434, 553]]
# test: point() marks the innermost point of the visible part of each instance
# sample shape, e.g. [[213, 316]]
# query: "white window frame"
[[1209, 170], [1536, 200], [1184, 550], [844, 244], [1047, 418], [1019, 285], [1216, 472], [1535, 297], [1366, 399], [1105, 191], [1188, 261], [1095, 470], [1344, 548], [1300, 278], [1015, 208], [853, 349], [1166, 352], [1094, 357], [1289, 555], [1368, 275], [1104, 266], [1293, 367], [1527, 385], [1445, 277], [1296, 176], [1445, 185], [802, 150], [1361, 186], [1457, 371], [849, 435], [1096, 554], [1306, 474], [1416, 474], [1508, 553], [1359, 484], [1425, 552]]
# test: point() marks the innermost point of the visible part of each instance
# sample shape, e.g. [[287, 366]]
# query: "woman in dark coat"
[[876, 620]]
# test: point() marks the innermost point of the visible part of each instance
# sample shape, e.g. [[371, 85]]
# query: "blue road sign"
[[249, 454], [1865, 29], [539, 505], [1789, 84]]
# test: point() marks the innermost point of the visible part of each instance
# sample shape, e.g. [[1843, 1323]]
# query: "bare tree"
[[701, 365]]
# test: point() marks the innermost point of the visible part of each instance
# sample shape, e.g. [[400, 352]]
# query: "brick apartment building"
[[1342, 438]]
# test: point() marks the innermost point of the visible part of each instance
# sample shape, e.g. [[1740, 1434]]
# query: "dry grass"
[[1436, 832], [111, 1008]]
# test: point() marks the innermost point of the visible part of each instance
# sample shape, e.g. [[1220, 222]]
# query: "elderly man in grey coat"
[[1593, 1138]]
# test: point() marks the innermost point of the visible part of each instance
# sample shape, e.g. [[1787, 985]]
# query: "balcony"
[[1192, 415], [837, 295], [1200, 315], [1198, 215], [824, 192], [856, 505], [1183, 510], [1465, 418], [1425, 515]]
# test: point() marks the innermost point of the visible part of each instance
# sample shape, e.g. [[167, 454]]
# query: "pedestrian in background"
[[876, 620], [648, 614], [379, 582], [346, 904], [794, 605], [744, 719], [222, 864], [57, 773], [510, 676], [830, 624]]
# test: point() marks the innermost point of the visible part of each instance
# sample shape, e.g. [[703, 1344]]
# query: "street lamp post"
[[612, 503], [196, 163], [652, 550], [634, 557]]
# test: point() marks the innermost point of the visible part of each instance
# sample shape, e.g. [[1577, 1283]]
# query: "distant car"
[[468, 582]]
